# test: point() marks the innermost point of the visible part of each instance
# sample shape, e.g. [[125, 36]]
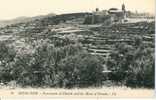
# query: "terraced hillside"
[[53, 48], [103, 40]]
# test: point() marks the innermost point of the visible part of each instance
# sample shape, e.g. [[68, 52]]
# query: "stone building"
[[117, 15], [113, 15]]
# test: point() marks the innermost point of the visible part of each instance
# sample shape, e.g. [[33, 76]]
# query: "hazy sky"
[[15, 8]]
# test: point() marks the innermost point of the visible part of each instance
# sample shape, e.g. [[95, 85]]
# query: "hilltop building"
[[118, 15], [113, 15]]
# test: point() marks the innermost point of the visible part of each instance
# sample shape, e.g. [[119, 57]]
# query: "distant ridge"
[[23, 19]]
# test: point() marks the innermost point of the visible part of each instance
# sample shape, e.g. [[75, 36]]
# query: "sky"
[[10, 9]]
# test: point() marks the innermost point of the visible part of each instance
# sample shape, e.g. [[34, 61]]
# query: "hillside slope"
[[60, 51]]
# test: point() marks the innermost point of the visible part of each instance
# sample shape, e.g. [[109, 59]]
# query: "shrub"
[[133, 65], [82, 70], [142, 69], [7, 54], [41, 66]]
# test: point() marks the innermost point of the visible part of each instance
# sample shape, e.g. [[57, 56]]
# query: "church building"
[[111, 16]]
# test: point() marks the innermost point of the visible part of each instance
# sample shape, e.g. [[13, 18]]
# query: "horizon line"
[[45, 14]]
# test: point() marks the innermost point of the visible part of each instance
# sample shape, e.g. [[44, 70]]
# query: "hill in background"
[[23, 19]]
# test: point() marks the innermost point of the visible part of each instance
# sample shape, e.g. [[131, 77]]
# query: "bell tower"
[[123, 8]]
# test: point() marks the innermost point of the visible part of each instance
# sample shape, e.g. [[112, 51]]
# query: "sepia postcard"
[[77, 49]]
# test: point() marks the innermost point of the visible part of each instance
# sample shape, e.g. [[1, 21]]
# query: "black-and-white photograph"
[[68, 44]]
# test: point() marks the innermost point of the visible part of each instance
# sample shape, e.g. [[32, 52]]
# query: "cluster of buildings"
[[113, 15]]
